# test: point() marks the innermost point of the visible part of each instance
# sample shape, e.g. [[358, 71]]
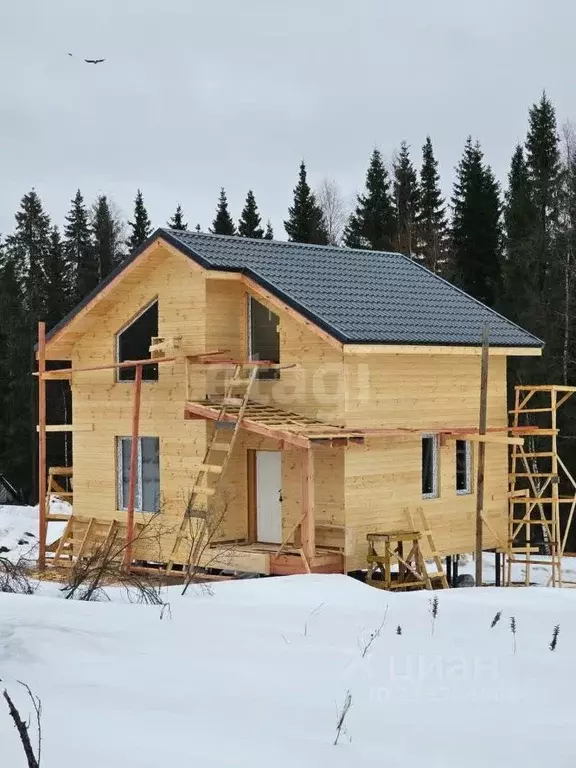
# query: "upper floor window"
[[263, 337], [147, 490], [430, 466], [463, 467], [133, 343]]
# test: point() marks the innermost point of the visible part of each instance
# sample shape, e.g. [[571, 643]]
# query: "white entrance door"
[[268, 496]]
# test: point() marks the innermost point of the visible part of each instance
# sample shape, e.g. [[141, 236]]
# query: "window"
[[133, 343], [147, 498], [429, 466], [263, 337], [463, 467]]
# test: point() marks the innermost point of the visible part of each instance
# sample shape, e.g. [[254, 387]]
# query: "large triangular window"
[[133, 343]]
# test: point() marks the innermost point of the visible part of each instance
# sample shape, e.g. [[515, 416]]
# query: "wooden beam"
[[133, 467], [423, 349], [308, 527], [482, 421], [197, 410], [41, 446], [488, 438], [67, 428]]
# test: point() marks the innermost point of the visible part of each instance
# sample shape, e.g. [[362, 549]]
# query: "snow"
[[253, 676], [19, 529]]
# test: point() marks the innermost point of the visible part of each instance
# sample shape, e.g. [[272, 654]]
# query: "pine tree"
[[59, 288], [432, 223], [141, 226], [269, 234], [250, 220], [78, 249], [305, 223], [106, 237], [476, 231], [223, 224], [407, 199], [373, 224], [27, 249], [177, 221]]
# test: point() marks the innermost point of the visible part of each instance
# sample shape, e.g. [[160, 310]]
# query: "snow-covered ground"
[[254, 674], [19, 529]]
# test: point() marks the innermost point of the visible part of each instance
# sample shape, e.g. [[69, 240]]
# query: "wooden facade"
[[361, 487]]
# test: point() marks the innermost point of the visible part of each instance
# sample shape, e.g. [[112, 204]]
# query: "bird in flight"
[[94, 61]]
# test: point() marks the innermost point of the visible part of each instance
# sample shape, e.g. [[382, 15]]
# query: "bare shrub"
[[23, 727], [341, 719], [15, 577], [104, 567]]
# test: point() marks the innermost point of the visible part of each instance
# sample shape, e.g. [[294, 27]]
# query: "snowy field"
[[254, 675]]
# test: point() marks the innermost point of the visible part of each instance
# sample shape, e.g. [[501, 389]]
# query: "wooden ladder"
[[217, 455], [89, 536], [54, 488], [440, 574]]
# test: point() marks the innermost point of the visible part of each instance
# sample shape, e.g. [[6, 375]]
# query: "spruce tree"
[[177, 221], [59, 289], [27, 249], [543, 164], [432, 222], [373, 224], [305, 223], [78, 249], [407, 199], [250, 220], [223, 224], [106, 238], [141, 226], [476, 229], [520, 273], [269, 234]]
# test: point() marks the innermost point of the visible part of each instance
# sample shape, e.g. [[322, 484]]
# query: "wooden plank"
[[133, 467], [490, 438], [67, 428], [482, 421], [423, 349], [41, 446], [308, 529]]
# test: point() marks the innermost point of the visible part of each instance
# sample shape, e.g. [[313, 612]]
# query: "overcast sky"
[[195, 95]]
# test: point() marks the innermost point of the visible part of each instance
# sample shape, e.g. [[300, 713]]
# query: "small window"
[[463, 467], [133, 343], [429, 466], [263, 337], [147, 497]]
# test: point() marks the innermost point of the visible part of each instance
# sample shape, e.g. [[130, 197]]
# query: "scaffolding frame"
[[535, 535]]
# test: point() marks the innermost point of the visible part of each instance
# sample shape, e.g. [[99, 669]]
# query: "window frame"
[[272, 374], [124, 328], [121, 502], [468, 468], [435, 493]]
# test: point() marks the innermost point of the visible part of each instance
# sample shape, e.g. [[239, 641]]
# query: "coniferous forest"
[[510, 245]]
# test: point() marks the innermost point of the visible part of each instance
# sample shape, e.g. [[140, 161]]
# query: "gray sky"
[[197, 95]]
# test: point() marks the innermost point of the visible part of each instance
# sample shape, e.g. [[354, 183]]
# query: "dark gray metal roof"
[[359, 297]]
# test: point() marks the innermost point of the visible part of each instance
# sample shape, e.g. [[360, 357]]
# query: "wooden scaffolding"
[[539, 517]]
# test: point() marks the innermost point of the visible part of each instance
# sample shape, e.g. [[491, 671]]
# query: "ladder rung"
[[541, 500], [235, 401], [210, 468], [238, 382], [536, 455], [204, 491], [513, 475], [531, 410], [220, 447], [63, 471]]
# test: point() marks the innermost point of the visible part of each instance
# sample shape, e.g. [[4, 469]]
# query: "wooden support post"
[[133, 467], [481, 454], [41, 446], [448, 568], [308, 528], [497, 570]]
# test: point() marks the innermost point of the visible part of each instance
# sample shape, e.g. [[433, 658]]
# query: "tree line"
[[512, 248]]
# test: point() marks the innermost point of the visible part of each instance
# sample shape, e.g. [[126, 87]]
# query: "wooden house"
[[366, 412]]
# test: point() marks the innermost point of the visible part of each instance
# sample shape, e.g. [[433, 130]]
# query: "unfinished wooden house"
[[306, 396]]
